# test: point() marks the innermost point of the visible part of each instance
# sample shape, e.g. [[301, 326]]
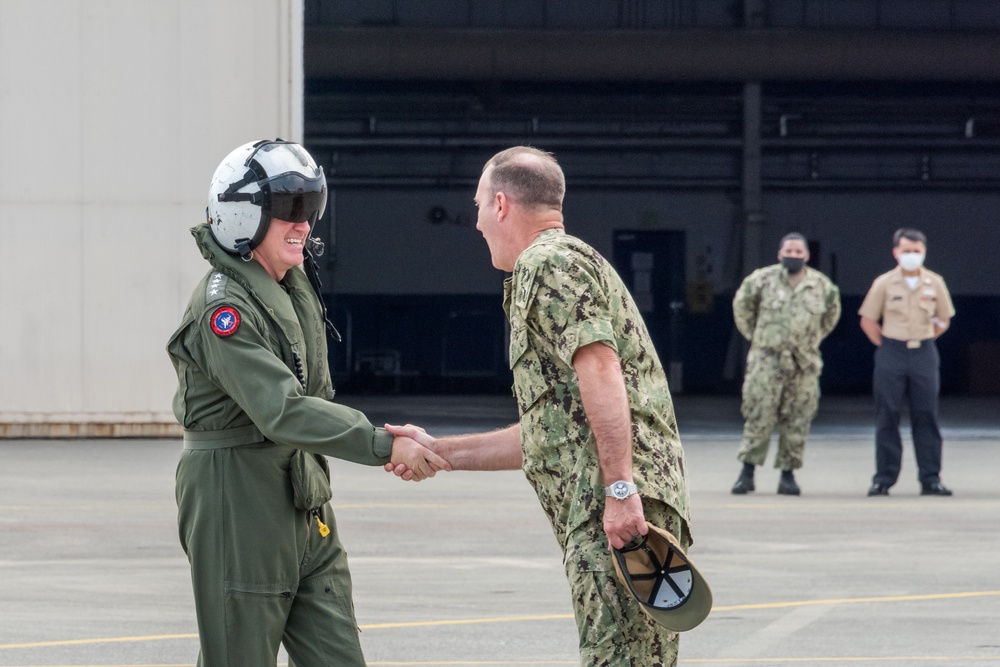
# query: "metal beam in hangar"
[[396, 53]]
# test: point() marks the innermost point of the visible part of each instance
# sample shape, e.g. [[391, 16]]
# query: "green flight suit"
[[785, 326], [253, 486]]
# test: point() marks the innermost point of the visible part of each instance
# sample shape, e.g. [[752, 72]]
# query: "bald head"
[[530, 177]]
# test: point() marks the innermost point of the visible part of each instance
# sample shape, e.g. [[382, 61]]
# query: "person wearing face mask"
[[914, 307], [784, 310]]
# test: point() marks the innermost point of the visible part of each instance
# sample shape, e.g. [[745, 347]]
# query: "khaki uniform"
[[907, 369], [252, 482], [561, 296], [907, 314], [785, 326]]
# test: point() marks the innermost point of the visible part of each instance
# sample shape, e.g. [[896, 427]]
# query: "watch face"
[[620, 489]]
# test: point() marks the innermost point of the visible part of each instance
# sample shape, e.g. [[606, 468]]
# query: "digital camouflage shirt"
[[774, 316], [561, 296]]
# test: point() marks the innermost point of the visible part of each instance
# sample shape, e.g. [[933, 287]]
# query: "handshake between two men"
[[413, 455], [416, 455]]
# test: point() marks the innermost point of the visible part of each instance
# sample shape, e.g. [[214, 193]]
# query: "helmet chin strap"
[[243, 249]]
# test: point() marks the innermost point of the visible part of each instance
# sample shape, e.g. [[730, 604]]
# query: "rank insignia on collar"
[[225, 321], [216, 288]]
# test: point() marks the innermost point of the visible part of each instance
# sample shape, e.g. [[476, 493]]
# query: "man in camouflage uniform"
[[597, 437], [784, 310]]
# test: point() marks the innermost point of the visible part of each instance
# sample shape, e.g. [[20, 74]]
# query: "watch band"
[[621, 490]]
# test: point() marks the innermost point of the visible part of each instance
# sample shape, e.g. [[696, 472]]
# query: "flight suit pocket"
[[529, 384], [254, 616], [310, 481]]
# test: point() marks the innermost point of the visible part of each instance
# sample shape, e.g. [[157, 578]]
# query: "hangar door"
[[651, 263]]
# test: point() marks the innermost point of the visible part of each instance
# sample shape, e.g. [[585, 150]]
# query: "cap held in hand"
[[665, 583]]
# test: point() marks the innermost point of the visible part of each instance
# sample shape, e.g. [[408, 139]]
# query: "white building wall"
[[113, 116]]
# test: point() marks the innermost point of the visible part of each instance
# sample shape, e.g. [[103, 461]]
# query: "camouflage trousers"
[[777, 394], [614, 631]]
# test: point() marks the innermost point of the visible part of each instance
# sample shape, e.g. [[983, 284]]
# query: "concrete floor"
[[463, 569]]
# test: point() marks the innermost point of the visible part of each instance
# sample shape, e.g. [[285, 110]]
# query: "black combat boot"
[[744, 482], [787, 485]]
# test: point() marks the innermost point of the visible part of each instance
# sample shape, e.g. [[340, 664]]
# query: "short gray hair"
[[529, 176]]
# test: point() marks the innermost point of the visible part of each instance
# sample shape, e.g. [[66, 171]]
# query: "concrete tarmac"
[[463, 569]]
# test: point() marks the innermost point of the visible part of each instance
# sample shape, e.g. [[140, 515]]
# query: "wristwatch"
[[621, 490]]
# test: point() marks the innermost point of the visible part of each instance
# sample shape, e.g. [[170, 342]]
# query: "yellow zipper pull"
[[324, 530]]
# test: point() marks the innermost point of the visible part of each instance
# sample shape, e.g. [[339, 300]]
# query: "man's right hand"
[[413, 457]]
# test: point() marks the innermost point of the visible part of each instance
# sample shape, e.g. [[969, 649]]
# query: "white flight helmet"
[[259, 181]]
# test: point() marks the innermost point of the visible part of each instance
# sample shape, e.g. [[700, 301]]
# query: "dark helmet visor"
[[293, 197]]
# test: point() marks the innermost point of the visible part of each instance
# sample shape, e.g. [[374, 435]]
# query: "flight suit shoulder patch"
[[225, 321]]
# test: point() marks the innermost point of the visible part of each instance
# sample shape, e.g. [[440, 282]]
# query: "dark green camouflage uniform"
[[564, 295], [785, 326]]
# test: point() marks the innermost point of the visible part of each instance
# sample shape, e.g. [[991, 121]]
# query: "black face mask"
[[793, 264]]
